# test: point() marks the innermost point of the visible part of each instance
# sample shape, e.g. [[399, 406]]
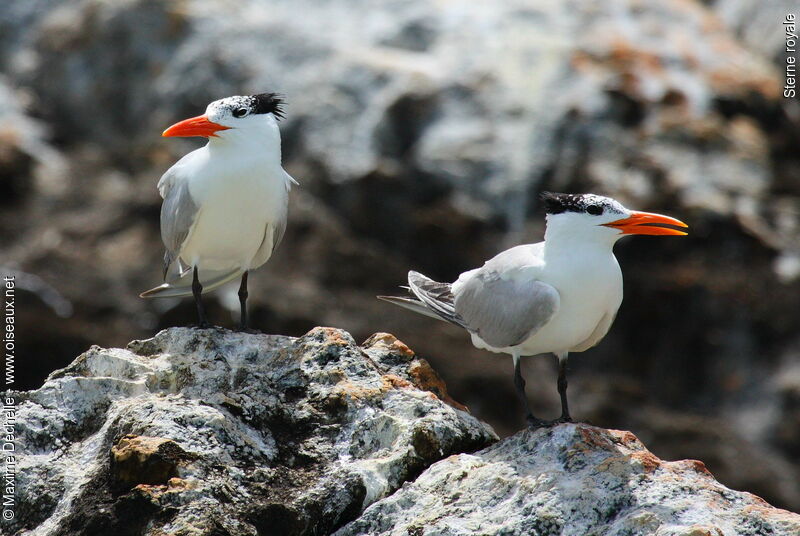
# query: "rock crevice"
[[228, 433], [211, 432], [573, 479]]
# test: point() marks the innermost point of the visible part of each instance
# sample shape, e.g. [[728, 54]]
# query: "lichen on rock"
[[572, 479], [145, 460], [211, 432], [215, 432]]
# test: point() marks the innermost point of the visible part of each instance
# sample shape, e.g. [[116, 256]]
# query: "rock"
[[723, 444], [405, 364], [573, 479], [786, 428], [215, 432], [464, 107], [25, 153], [211, 432], [421, 134], [145, 460], [759, 26]]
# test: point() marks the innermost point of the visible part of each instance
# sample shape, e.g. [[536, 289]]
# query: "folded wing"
[[179, 213], [502, 302], [505, 311]]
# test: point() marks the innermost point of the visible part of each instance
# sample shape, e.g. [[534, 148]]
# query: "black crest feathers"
[[555, 203], [268, 103]]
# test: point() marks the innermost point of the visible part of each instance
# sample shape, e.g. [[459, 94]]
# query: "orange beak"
[[646, 223], [194, 126]]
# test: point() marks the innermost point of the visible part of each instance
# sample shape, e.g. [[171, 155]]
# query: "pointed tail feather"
[[412, 305], [437, 297], [431, 298], [181, 286]]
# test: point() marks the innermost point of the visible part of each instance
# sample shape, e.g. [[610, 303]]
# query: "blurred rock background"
[[421, 134]]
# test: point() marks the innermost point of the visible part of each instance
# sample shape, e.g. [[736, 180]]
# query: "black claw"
[[535, 423]]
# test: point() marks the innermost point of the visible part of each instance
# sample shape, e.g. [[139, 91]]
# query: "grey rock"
[[570, 480], [760, 25], [421, 134], [489, 100], [215, 432], [26, 156], [482, 105]]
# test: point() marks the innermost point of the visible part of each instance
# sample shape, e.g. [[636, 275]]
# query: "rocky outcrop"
[[25, 154], [760, 26], [421, 133], [569, 480], [215, 433], [212, 432]]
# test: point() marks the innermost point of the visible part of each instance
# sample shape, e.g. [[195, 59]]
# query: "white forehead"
[[230, 103], [606, 202]]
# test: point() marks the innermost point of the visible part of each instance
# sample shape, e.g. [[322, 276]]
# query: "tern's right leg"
[[562, 387], [197, 291], [519, 383], [243, 302]]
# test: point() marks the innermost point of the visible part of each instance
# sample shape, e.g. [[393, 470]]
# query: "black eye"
[[240, 112], [594, 210]]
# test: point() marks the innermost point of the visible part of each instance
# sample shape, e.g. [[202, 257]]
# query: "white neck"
[[563, 239], [264, 144]]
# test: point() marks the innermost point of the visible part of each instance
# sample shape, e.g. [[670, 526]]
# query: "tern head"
[[601, 218], [228, 117]]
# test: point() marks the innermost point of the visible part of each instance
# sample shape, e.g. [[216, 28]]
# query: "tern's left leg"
[[243, 302], [197, 291], [519, 383], [562, 386]]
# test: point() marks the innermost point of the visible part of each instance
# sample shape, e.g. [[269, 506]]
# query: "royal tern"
[[225, 204], [557, 296]]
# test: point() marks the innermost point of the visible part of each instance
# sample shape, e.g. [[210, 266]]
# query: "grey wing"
[[505, 311], [274, 230], [273, 234], [178, 214], [277, 233], [280, 226]]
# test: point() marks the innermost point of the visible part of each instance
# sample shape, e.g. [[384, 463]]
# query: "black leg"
[[243, 302], [519, 383], [197, 290], [562, 387]]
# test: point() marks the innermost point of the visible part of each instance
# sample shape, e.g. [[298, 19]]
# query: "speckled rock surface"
[[28, 162], [421, 134], [571, 480], [759, 24], [215, 432]]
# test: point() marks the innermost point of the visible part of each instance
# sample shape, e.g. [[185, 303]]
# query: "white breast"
[[239, 200], [590, 288]]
